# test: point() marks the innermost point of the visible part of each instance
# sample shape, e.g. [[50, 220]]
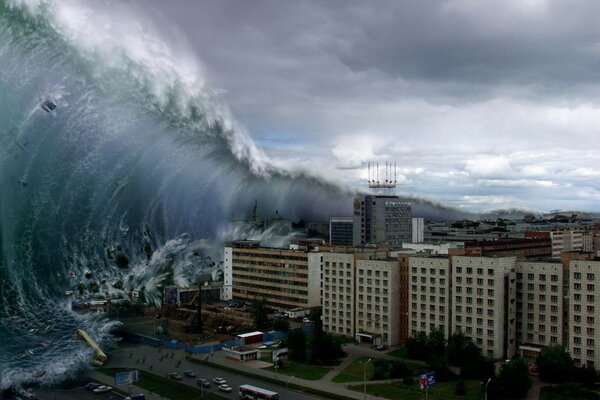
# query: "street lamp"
[[486, 385], [365, 380]]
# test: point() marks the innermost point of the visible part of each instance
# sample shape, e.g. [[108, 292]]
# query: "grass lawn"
[[400, 352], [304, 371], [355, 371], [166, 387], [440, 391], [567, 392]]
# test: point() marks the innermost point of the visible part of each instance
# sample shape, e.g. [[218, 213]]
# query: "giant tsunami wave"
[[136, 154]]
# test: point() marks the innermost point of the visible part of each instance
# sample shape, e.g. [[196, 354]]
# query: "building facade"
[[341, 231], [484, 303], [584, 322], [283, 278], [429, 294], [418, 230], [381, 220], [339, 293], [539, 305]]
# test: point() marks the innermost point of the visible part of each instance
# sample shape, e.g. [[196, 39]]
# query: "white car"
[[102, 389], [219, 381], [225, 388]]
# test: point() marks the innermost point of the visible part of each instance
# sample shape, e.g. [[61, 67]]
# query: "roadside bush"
[[408, 381], [460, 389]]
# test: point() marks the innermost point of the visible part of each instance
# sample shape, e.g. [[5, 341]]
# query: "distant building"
[[535, 247], [382, 220], [418, 230], [318, 229], [340, 231], [568, 240]]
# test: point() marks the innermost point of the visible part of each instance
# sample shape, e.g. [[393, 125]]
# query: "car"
[[225, 388], [306, 320], [381, 347], [219, 381], [91, 386], [203, 382], [102, 389], [175, 376], [189, 373]]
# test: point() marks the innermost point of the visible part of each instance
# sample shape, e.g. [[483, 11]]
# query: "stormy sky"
[[483, 105]]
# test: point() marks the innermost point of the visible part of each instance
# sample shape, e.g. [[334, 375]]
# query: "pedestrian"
[[151, 366], [144, 360]]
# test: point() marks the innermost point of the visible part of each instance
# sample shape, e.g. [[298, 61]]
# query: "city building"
[[534, 247], [381, 220], [418, 230], [539, 306], [339, 293], [341, 231], [283, 278], [584, 321], [433, 248], [561, 241], [429, 294], [483, 306]]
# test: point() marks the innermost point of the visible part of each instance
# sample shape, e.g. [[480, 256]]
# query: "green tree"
[[416, 346], [436, 343], [399, 369], [555, 365], [297, 345], [460, 389], [381, 369], [461, 350], [325, 350], [514, 379], [479, 368], [587, 375], [260, 313], [281, 324]]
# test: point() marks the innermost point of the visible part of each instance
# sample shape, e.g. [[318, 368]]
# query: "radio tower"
[[388, 179]]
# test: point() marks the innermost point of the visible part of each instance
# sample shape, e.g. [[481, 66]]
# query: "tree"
[[479, 368], [281, 324], [260, 313], [416, 346], [555, 365], [381, 369], [325, 350], [297, 345], [442, 371], [587, 375], [460, 389], [461, 350], [399, 369], [436, 343], [514, 379]]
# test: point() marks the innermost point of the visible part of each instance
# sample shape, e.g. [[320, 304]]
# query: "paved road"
[[147, 357]]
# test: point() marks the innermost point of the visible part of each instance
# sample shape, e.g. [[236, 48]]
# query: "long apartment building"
[[539, 306], [429, 294], [361, 296], [284, 278], [584, 303]]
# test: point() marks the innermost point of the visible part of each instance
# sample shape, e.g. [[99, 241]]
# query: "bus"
[[249, 392]]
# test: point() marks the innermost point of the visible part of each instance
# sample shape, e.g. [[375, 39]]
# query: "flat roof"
[[245, 335]]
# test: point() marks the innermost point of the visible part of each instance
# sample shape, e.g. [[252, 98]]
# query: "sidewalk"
[[322, 384]]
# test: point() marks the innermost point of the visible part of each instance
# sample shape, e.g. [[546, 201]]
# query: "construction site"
[[191, 321]]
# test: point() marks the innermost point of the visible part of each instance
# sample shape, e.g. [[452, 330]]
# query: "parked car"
[[381, 347], [225, 388], [91, 386], [102, 389], [175, 376], [306, 320], [219, 381], [136, 397], [203, 382], [189, 373]]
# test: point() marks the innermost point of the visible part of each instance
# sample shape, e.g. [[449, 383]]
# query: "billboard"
[[126, 377], [171, 295], [279, 354], [427, 380]]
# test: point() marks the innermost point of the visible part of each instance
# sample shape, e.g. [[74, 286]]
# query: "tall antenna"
[[389, 178]]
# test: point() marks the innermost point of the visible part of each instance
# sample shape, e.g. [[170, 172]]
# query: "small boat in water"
[[29, 352], [39, 373], [48, 105]]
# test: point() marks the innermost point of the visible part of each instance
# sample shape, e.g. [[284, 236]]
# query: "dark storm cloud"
[[471, 96]]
